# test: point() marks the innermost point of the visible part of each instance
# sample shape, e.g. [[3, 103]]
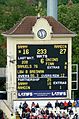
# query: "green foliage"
[[2, 40], [75, 50], [60, 2], [75, 1], [39, 9], [3, 58], [65, 2], [13, 11], [44, 2], [69, 16], [2, 52], [2, 1]]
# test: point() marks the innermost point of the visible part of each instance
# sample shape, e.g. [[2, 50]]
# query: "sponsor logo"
[[59, 94], [21, 94]]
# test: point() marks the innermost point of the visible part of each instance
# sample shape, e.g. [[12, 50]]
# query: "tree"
[[75, 1], [2, 1], [60, 2], [65, 2], [3, 58], [69, 16], [11, 12]]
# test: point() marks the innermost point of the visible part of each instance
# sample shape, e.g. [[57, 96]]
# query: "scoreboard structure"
[[42, 70], [39, 60]]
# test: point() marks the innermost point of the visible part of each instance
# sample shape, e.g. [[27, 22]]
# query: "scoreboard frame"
[[39, 63]]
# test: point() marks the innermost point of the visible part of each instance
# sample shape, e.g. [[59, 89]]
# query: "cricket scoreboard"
[[42, 70]]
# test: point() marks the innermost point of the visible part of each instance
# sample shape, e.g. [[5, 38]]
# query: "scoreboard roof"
[[24, 27]]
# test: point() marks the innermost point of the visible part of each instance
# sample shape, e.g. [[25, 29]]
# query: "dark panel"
[[42, 67]]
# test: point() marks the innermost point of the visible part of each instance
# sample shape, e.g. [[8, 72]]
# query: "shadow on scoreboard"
[[3, 95]]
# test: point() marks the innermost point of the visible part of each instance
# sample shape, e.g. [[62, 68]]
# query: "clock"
[[41, 33]]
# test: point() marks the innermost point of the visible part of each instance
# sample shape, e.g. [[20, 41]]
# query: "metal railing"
[[74, 77]]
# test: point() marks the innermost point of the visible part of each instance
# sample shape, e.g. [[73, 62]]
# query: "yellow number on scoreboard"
[[25, 51], [42, 51], [62, 51]]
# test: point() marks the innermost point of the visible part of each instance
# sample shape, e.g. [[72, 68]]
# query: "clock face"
[[41, 33]]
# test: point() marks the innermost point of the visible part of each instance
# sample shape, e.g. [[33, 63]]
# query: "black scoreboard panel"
[[42, 67]]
